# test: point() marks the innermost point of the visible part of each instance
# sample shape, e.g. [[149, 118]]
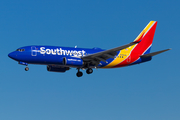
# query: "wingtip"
[[168, 49]]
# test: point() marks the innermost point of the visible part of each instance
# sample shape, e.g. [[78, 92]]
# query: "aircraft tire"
[[79, 74], [89, 71], [26, 69]]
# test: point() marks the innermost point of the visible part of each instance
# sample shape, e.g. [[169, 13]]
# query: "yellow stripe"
[[121, 57], [145, 29]]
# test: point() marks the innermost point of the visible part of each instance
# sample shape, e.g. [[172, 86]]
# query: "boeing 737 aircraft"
[[61, 59]]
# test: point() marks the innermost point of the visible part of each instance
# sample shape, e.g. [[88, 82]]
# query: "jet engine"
[[57, 68]]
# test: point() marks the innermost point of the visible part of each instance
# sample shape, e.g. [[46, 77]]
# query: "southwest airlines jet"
[[61, 59]]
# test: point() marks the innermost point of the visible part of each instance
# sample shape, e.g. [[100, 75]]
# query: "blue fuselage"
[[47, 55]]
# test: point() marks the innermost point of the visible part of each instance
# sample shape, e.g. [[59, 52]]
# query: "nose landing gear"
[[24, 63], [26, 69]]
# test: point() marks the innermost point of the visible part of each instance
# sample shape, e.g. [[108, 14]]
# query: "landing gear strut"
[[24, 63], [89, 71], [79, 73]]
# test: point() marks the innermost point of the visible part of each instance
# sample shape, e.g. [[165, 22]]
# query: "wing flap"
[[108, 55]]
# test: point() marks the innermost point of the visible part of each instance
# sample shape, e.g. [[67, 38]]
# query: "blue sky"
[[141, 92]]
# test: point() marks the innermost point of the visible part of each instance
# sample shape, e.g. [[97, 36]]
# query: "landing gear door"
[[33, 51]]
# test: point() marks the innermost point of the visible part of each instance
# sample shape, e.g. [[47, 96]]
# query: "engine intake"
[[71, 61]]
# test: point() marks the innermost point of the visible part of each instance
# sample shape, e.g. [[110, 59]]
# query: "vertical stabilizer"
[[145, 38]]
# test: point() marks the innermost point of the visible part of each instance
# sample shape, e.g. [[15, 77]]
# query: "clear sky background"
[[149, 91]]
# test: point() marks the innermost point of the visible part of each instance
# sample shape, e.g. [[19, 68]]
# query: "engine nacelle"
[[57, 68], [71, 61]]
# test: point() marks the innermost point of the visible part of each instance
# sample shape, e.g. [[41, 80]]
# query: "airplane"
[[61, 59]]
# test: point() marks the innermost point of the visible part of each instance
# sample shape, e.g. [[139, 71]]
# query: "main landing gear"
[[88, 71], [79, 73]]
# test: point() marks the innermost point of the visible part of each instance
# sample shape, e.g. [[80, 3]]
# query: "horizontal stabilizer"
[[154, 53]]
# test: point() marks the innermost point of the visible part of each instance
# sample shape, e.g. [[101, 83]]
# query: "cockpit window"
[[21, 50]]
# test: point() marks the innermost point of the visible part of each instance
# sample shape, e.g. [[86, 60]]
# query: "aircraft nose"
[[11, 55]]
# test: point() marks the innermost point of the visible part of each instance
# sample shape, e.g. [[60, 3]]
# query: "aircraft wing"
[[104, 55], [96, 58]]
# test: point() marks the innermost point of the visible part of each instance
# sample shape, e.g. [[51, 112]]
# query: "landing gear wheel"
[[79, 74], [89, 71], [26, 69]]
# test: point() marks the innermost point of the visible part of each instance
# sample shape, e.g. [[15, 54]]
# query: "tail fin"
[[145, 39]]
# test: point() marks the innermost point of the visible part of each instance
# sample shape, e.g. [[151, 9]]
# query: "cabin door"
[[33, 51]]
